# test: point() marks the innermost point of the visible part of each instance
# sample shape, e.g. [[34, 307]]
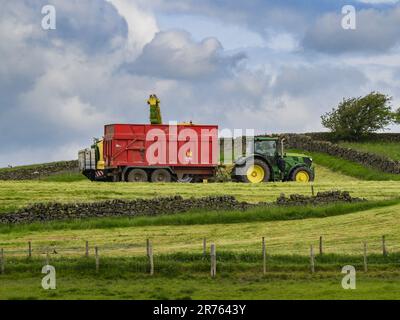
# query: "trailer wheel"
[[137, 175], [161, 175]]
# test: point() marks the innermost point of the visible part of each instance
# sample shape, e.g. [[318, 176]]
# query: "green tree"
[[355, 118], [397, 116]]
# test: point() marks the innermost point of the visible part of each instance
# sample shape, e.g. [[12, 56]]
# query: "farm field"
[[388, 149], [243, 282], [181, 272], [342, 234], [15, 194]]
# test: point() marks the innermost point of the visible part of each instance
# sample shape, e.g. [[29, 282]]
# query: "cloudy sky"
[[270, 65]]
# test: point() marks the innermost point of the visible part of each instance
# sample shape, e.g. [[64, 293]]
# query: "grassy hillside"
[[14, 194], [388, 149], [351, 169], [343, 235], [181, 271], [201, 217], [34, 166]]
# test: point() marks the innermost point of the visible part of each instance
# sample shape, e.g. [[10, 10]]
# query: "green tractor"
[[266, 160]]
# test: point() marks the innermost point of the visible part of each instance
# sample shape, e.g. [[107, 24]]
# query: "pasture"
[[181, 271]]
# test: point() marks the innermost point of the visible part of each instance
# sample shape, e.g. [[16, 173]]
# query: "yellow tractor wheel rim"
[[302, 176], [255, 174]]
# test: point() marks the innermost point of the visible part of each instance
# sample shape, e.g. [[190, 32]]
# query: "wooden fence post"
[[47, 257], [151, 259], [264, 253], [213, 261], [312, 261], [29, 249], [321, 249], [96, 253], [2, 262], [204, 247], [148, 247], [384, 251], [365, 257], [87, 249], [312, 191]]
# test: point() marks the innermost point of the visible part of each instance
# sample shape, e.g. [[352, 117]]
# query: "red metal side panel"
[[161, 145]]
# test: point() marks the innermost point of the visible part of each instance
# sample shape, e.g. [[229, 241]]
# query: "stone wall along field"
[[320, 199], [305, 142], [38, 171], [42, 212], [374, 137]]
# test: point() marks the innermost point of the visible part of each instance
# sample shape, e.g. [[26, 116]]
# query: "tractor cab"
[[268, 147], [265, 160]]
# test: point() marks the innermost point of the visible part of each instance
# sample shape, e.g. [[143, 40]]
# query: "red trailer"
[[157, 153]]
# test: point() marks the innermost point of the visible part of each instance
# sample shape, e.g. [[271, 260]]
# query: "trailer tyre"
[[161, 175], [137, 175]]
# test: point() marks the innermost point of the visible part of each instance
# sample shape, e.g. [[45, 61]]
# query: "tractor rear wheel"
[[137, 175], [302, 174], [256, 172], [161, 175]]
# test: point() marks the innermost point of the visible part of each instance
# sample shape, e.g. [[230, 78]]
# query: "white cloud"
[[142, 25], [59, 88], [174, 54]]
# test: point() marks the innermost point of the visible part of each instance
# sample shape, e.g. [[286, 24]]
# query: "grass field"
[[343, 234], [187, 277], [181, 272], [15, 194], [201, 217], [198, 287], [388, 149]]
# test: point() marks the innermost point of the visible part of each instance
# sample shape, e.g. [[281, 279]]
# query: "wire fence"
[[208, 251]]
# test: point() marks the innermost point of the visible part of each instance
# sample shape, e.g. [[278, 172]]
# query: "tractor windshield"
[[267, 148]]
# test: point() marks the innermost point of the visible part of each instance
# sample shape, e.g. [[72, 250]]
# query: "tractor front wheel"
[[256, 172], [302, 174]]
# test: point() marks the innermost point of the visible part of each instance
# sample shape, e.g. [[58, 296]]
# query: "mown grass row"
[[203, 217], [350, 168]]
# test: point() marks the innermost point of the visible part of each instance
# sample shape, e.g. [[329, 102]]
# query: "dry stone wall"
[[305, 142], [36, 172], [42, 212]]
